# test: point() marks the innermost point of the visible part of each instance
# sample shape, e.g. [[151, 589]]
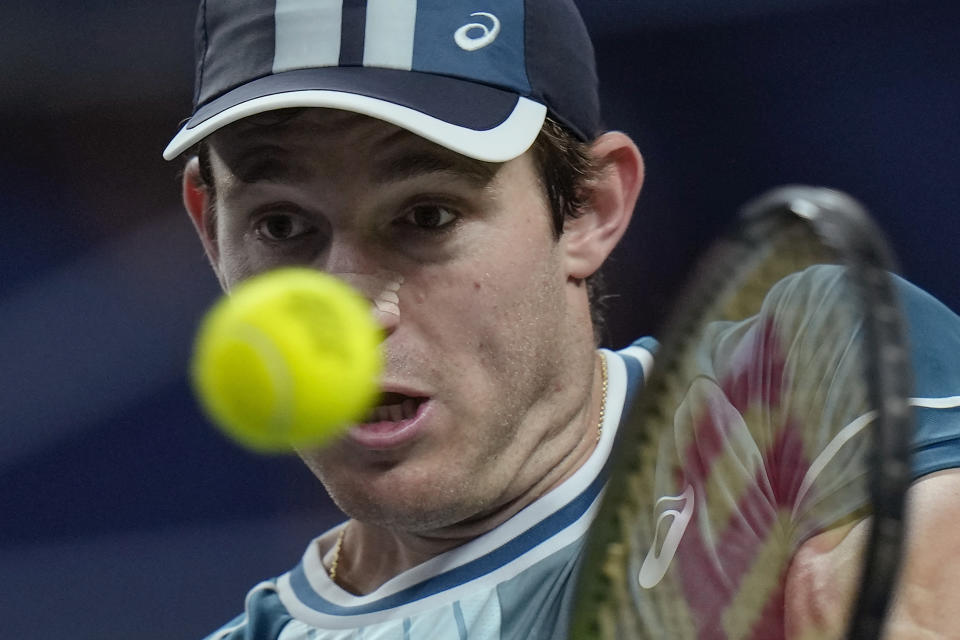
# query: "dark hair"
[[565, 166]]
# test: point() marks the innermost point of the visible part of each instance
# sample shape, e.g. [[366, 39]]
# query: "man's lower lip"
[[387, 435]]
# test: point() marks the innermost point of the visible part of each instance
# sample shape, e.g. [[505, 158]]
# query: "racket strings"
[[732, 435]]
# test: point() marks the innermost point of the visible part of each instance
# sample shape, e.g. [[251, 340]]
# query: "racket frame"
[[845, 227]]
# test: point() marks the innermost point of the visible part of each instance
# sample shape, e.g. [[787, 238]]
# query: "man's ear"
[[196, 200], [609, 203]]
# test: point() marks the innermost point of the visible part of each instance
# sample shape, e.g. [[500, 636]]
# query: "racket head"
[[777, 411]]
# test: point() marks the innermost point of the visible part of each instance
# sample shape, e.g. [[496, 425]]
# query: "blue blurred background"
[[122, 513]]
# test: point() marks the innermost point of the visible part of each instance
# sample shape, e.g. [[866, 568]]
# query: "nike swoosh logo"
[[655, 565]]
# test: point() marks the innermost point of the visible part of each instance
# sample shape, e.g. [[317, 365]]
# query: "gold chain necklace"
[[603, 394], [336, 553], [603, 410]]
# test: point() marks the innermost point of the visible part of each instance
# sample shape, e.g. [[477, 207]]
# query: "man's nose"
[[361, 270], [347, 253]]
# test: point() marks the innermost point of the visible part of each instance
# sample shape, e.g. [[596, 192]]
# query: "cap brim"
[[476, 120]]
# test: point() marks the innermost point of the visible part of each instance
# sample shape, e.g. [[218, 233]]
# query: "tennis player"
[[448, 158]]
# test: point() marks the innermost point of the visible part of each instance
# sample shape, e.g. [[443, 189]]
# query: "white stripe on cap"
[[504, 142], [307, 34], [388, 41]]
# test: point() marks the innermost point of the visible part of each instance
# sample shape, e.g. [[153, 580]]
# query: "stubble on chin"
[[397, 502]]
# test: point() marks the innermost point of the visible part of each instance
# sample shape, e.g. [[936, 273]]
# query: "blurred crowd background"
[[122, 513]]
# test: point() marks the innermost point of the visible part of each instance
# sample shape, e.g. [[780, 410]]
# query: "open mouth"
[[396, 421], [394, 407]]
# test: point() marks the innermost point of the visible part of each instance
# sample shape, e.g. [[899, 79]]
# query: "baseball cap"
[[475, 76]]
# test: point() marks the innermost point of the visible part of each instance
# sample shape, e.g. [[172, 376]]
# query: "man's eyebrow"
[[413, 164], [266, 164]]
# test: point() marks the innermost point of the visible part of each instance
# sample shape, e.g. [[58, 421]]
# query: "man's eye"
[[281, 227], [430, 217]]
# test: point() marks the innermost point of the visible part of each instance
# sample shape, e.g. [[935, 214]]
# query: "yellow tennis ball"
[[288, 359]]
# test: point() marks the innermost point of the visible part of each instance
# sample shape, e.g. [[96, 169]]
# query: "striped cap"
[[475, 76]]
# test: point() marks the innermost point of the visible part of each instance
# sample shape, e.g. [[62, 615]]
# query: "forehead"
[[295, 144]]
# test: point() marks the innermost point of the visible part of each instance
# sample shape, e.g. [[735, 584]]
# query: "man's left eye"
[[430, 217], [282, 227]]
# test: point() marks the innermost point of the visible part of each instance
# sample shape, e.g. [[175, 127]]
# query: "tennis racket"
[[775, 421]]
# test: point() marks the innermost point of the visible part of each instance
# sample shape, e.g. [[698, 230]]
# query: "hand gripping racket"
[[775, 422]]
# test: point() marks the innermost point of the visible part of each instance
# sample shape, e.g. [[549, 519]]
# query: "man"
[[447, 159]]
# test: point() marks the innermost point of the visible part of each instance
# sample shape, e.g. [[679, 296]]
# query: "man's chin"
[[420, 518], [410, 504]]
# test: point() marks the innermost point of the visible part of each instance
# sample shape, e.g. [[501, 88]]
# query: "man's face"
[[479, 356]]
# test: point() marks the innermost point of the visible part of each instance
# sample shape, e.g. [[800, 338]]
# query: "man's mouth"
[[394, 407], [397, 420]]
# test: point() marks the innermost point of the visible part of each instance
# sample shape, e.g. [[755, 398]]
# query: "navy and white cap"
[[475, 76]]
